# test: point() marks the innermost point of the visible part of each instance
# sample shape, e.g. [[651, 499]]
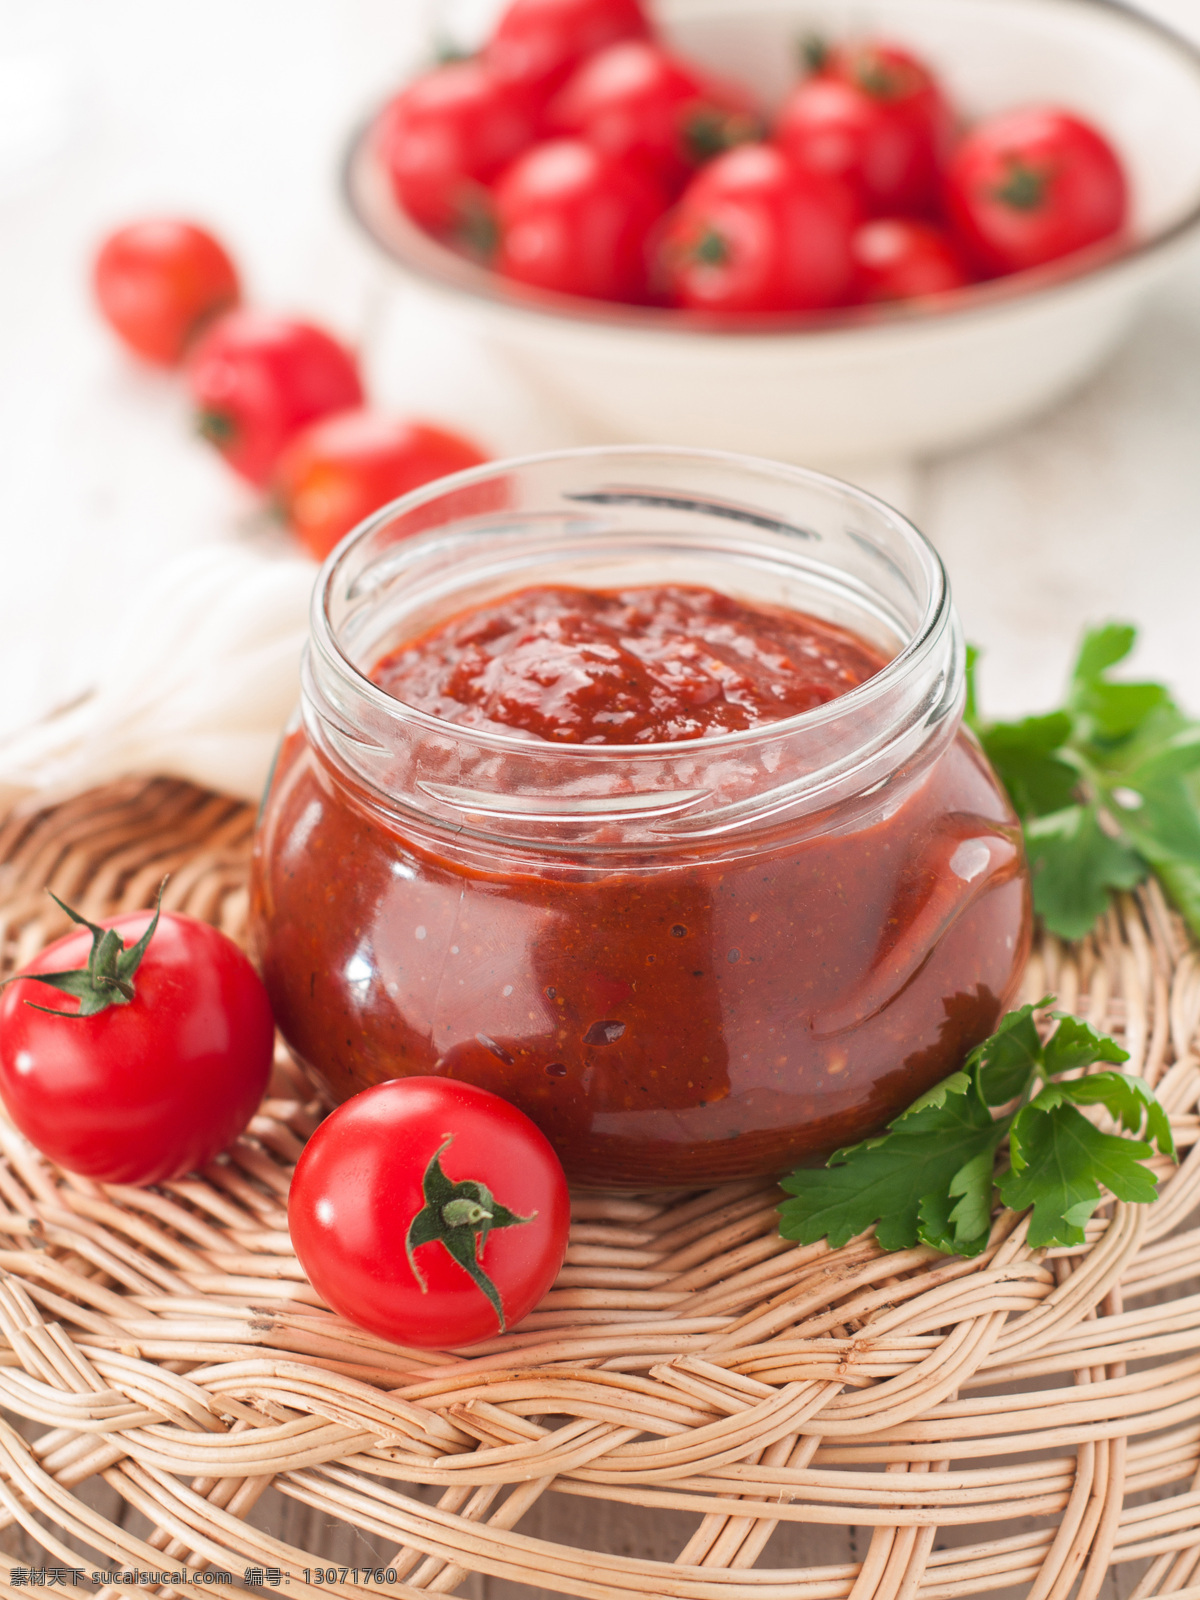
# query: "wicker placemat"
[[166, 1342]]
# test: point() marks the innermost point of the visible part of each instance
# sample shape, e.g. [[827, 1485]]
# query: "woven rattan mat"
[[166, 1344]]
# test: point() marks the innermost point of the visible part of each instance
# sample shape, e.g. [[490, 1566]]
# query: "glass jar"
[[687, 962]]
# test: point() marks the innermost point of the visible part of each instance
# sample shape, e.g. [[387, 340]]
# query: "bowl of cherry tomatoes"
[[869, 228]]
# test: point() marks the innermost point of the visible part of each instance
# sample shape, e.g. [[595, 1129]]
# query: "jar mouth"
[[338, 582]]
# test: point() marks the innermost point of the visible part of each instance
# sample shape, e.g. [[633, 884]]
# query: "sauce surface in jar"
[[723, 1009], [632, 666]]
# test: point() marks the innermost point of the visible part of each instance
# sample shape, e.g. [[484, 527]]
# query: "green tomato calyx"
[[710, 130], [218, 427], [881, 79], [107, 980], [459, 1216], [1024, 186], [711, 248], [475, 229], [814, 53]]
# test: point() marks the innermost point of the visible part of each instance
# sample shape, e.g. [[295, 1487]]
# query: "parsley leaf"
[[887, 1180], [1075, 1044], [1059, 1160], [931, 1176], [1003, 1063], [1075, 864], [1027, 753], [1108, 788]]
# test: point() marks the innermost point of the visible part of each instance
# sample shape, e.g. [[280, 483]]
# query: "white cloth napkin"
[[198, 683]]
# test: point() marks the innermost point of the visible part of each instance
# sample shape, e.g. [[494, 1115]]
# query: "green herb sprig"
[[931, 1177], [1107, 788]]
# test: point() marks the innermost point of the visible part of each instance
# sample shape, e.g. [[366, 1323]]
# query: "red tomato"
[[340, 469], [755, 233], [158, 282], [539, 42], [430, 1212], [637, 101], [1031, 185], [577, 221], [444, 138], [875, 118], [902, 258], [257, 379], [151, 1086]]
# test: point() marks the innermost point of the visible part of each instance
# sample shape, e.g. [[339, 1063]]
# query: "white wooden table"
[[237, 113]]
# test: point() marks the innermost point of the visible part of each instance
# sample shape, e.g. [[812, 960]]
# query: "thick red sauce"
[[630, 666], [722, 1010]]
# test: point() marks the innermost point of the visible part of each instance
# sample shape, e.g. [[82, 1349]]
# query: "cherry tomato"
[[158, 282], [1031, 185], [257, 379], [539, 42], [430, 1212], [575, 220], [875, 118], [341, 468], [903, 258], [637, 101], [444, 138], [753, 232], [155, 1065]]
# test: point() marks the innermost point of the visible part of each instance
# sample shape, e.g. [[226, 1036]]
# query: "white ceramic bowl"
[[852, 385]]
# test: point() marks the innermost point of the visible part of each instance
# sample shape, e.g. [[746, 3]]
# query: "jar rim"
[[907, 659]]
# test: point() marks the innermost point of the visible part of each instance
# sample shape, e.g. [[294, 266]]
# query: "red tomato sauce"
[[719, 1012], [635, 666]]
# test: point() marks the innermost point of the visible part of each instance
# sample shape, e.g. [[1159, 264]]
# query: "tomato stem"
[[216, 426], [448, 50], [709, 131], [476, 231], [107, 980], [460, 1212], [878, 78], [459, 1216], [1024, 187], [814, 52], [711, 248]]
